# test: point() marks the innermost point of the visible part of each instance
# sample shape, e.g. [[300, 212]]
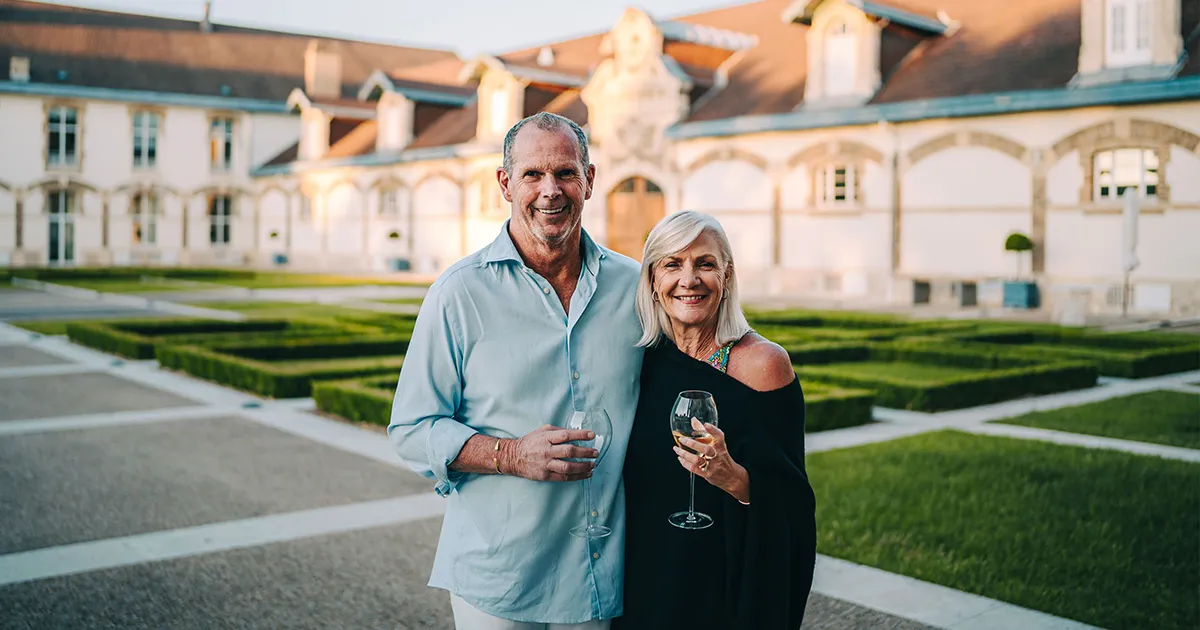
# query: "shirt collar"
[[503, 249]]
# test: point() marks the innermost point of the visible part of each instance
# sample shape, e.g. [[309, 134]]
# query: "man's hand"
[[541, 455]]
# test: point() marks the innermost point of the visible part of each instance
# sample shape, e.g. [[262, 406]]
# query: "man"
[[509, 342]]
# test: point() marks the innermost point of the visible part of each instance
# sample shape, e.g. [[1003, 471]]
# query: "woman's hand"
[[713, 463]]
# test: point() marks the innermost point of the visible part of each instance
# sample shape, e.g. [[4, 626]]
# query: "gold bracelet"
[[496, 457]]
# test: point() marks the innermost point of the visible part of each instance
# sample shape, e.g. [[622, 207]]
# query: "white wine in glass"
[[689, 405], [596, 421]]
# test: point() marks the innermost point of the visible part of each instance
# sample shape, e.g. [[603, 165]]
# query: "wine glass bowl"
[[689, 405], [598, 422]]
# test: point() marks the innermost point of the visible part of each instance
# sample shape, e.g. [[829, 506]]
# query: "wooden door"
[[635, 206]]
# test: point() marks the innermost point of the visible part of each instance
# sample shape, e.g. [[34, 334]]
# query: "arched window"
[[144, 208], [1125, 170], [841, 58]]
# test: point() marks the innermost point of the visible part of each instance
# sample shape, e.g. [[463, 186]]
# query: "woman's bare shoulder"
[[761, 364]]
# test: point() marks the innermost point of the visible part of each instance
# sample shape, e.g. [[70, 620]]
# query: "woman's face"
[[690, 284]]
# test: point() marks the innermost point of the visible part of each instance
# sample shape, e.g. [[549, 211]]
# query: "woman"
[[753, 567]]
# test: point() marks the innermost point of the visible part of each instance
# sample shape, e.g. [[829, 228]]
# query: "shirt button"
[[546, 291], [577, 375], [595, 513], [596, 556]]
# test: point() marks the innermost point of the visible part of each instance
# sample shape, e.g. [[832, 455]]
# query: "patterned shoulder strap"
[[720, 358]]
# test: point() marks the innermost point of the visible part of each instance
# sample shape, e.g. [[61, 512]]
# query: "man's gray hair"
[[672, 235], [546, 122]]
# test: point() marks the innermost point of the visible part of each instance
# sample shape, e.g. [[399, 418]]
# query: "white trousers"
[[468, 617]]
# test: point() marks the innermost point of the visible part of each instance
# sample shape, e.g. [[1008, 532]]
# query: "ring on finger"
[[704, 466], [709, 457]]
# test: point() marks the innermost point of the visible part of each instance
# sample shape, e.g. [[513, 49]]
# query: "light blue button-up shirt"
[[493, 352]]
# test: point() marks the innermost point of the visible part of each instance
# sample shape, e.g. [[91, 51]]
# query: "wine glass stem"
[[587, 498], [692, 498]]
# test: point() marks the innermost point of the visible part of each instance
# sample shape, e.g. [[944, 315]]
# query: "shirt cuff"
[[446, 439]]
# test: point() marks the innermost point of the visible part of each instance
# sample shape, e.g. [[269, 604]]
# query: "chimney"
[[322, 71], [206, 23], [18, 69]]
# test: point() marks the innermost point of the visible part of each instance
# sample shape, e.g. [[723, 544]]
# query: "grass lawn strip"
[[125, 286], [1085, 534], [1160, 417], [1123, 355], [920, 376], [292, 280], [915, 372], [59, 327]]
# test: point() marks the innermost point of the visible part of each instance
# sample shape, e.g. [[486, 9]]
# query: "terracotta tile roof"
[[1001, 47], [455, 127], [770, 77], [443, 72], [286, 156], [366, 107], [573, 56], [569, 105], [123, 51], [359, 140]]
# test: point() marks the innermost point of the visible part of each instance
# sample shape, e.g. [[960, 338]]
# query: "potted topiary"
[[1019, 293]]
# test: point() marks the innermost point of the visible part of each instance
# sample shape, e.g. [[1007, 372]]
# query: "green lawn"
[[916, 372], [304, 365], [1102, 537], [59, 327], [296, 280], [129, 286], [1161, 417], [416, 301], [273, 310]]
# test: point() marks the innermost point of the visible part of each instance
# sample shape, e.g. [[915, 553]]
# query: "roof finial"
[[545, 57], [206, 23]]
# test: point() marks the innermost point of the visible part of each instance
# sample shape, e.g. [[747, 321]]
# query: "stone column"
[[897, 224], [776, 221], [1037, 209], [19, 215], [104, 202], [366, 224]]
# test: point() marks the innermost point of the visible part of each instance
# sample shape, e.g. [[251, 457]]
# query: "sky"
[[474, 27]]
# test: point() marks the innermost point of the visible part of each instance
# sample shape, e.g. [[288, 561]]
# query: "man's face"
[[548, 185]]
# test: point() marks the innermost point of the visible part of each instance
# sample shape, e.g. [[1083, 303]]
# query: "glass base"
[[590, 531], [690, 520]]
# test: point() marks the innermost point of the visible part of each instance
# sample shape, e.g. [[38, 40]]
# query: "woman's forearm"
[[739, 486]]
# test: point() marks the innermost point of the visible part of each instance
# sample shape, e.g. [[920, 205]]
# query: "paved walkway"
[[146, 498]]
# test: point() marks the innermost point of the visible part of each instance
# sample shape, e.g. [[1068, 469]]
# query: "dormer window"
[[499, 111], [841, 59], [1128, 32]]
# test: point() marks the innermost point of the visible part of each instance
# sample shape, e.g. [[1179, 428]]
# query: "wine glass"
[[688, 405], [596, 421]]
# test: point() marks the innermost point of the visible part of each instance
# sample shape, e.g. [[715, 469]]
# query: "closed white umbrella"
[[1129, 229]]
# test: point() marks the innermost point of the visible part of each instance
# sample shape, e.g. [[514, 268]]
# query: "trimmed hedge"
[[802, 353], [1006, 377], [827, 408], [1123, 355], [350, 346], [222, 364], [369, 400], [137, 339], [363, 400]]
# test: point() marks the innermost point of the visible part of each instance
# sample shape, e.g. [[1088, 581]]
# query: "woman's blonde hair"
[[672, 235]]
